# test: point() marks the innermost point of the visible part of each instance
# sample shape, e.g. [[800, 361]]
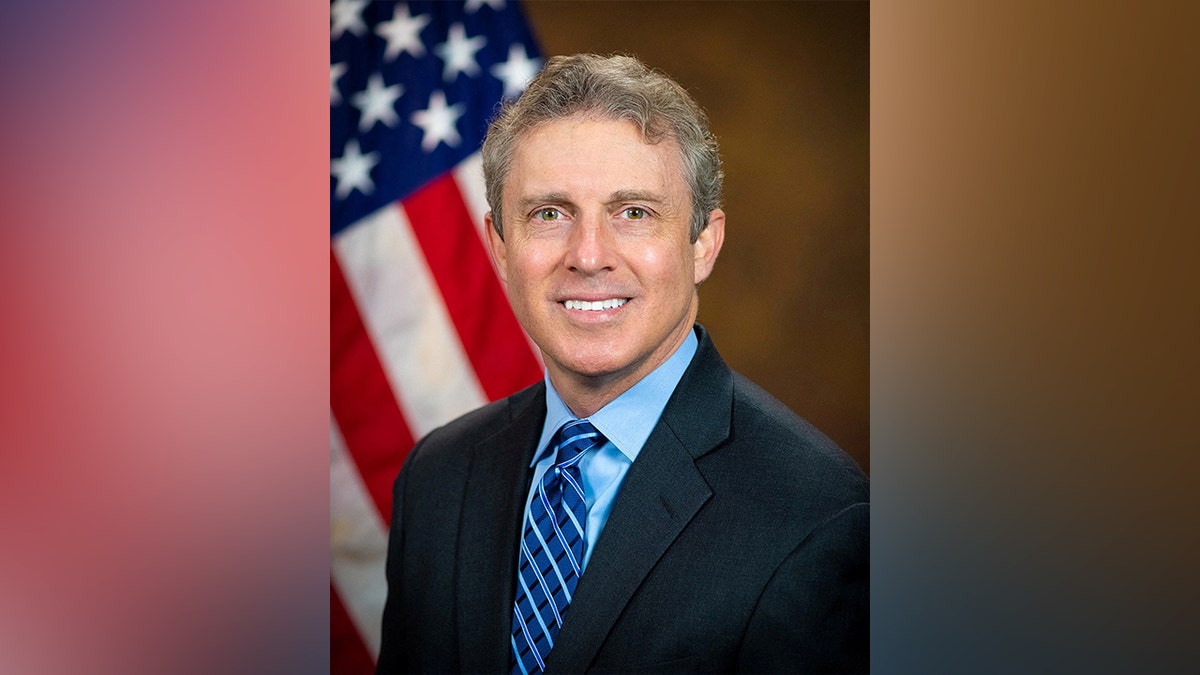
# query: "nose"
[[591, 245]]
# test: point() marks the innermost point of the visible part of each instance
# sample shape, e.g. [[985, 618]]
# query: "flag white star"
[[353, 170], [438, 121], [402, 33], [347, 16], [336, 71], [474, 5], [377, 103], [517, 71], [458, 51]]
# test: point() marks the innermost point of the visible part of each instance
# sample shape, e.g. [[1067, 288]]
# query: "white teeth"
[[596, 306]]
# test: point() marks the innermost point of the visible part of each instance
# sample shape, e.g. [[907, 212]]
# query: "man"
[[644, 508]]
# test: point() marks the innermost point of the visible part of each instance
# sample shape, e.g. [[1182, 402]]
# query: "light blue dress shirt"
[[626, 422]]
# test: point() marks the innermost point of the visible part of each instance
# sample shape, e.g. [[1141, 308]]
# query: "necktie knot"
[[574, 439]]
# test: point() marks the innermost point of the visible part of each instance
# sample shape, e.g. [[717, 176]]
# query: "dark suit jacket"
[[739, 541]]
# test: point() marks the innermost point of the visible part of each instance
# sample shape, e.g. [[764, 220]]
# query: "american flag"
[[421, 331]]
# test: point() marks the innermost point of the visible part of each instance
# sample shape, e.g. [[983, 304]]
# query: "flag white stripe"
[[469, 176], [357, 544], [402, 310]]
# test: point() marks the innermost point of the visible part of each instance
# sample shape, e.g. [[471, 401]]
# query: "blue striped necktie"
[[552, 545]]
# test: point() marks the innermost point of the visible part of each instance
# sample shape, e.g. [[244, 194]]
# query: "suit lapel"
[[661, 494], [488, 535]]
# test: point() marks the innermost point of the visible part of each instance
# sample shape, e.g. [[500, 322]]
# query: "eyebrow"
[[547, 198], [636, 196], [616, 197]]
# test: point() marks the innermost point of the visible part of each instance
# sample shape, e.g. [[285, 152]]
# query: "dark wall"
[[786, 87]]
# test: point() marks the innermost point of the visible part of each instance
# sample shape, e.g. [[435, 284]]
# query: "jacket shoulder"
[[448, 442], [773, 438]]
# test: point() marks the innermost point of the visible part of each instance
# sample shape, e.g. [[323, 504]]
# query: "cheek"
[[667, 265], [528, 269]]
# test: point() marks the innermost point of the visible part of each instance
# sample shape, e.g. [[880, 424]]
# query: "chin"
[[598, 363], [594, 369]]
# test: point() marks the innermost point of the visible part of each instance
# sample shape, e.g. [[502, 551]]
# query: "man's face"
[[596, 254]]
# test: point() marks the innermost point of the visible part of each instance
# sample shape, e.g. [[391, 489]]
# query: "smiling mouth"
[[595, 306]]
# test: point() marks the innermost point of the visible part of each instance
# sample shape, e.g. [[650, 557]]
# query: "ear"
[[708, 245], [497, 250]]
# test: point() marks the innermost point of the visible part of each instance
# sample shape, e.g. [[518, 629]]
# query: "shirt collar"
[[628, 419]]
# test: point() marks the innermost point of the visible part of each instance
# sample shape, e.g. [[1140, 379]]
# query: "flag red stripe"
[[376, 435], [348, 655], [490, 334]]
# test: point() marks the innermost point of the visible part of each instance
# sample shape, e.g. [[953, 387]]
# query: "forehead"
[[584, 153]]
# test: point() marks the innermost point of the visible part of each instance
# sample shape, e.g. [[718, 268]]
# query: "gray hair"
[[612, 87]]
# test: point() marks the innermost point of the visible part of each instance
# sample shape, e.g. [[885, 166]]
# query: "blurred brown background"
[[786, 87]]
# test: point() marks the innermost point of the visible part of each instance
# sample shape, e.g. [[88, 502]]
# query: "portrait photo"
[[599, 336]]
